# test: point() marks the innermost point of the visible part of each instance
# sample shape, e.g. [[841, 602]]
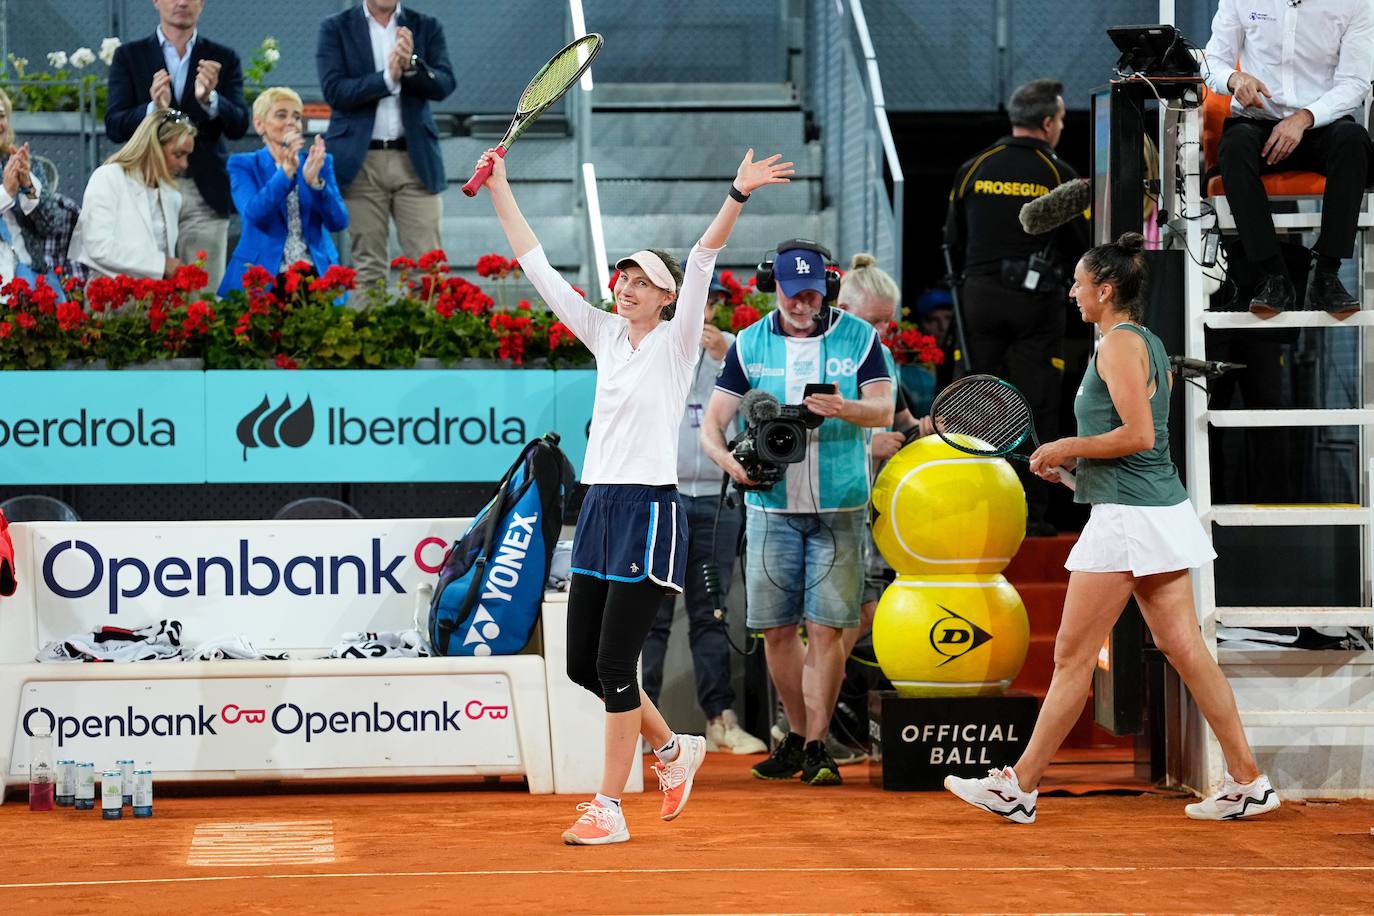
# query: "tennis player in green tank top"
[[1142, 539]]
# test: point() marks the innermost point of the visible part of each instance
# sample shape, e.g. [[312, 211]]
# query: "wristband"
[[737, 194]]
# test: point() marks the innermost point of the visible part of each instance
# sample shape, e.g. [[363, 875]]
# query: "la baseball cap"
[[799, 269]]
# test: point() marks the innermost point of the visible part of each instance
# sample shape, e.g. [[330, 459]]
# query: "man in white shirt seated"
[[1303, 76]]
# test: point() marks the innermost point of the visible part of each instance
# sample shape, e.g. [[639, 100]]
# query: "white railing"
[[588, 200], [864, 180]]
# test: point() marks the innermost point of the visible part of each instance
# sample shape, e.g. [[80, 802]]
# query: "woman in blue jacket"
[[287, 198]]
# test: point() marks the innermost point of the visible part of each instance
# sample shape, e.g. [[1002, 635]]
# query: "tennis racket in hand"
[[986, 416], [548, 86]]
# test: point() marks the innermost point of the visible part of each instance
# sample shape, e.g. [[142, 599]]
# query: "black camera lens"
[[782, 441]]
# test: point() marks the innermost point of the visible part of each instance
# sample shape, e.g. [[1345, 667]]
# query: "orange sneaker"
[[597, 826], [675, 779]]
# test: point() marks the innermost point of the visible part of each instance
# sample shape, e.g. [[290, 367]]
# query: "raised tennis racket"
[[986, 416], [548, 86]]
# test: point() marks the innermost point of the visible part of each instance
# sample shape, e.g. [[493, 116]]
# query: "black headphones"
[[765, 282]]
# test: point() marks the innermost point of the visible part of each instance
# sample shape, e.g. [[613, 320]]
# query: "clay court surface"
[[740, 847]]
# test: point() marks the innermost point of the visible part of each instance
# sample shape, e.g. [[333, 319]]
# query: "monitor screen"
[[1152, 50], [1101, 165]]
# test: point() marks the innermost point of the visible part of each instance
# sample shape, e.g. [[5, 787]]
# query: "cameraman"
[[806, 533]]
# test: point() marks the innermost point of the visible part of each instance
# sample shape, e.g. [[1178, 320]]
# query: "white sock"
[[668, 753], [608, 802]]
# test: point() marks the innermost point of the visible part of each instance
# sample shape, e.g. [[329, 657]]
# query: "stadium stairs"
[[1037, 571], [664, 156]]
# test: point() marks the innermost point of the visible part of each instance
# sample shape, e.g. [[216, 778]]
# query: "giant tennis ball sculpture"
[[951, 636], [940, 511]]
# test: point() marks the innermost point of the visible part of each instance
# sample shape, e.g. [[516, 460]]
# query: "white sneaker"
[[998, 792], [780, 728], [675, 779], [723, 733], [1233, 801], [597, 826]]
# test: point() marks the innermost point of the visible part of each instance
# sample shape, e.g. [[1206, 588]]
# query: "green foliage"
[[263, 62]]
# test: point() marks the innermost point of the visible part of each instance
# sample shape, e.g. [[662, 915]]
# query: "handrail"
[[596, 231], [589, 200], [894, 164]]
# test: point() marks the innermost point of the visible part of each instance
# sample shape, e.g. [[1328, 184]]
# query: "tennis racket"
[[986, 416], [548, 86]]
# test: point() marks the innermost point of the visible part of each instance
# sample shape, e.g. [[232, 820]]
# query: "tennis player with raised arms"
[[631, 540], [1141, 539]]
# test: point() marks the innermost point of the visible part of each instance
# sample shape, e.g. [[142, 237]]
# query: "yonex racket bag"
[[492, 584]]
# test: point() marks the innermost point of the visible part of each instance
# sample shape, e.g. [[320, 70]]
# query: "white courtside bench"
[[294, 587]]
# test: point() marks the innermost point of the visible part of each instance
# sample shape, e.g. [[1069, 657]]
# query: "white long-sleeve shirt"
[[640, 392], [387, 123], [1316, 55]]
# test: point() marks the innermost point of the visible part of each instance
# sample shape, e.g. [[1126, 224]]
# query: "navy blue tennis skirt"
[[629, 533]]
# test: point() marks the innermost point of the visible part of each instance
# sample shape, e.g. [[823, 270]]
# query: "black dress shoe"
[[1274, 295], [1327, 293]]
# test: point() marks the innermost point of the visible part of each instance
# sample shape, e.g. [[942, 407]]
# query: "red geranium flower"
[[492, 265], [742, 317], [257, 277], [190, 278], [432, 260], [336, 277]]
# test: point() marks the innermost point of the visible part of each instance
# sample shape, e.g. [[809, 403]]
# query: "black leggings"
[[607, 624]]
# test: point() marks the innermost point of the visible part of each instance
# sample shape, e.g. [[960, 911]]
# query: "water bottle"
[[85, 786], [143, 792], [126, 779], [66, 783], [42, 777], [111, 795]]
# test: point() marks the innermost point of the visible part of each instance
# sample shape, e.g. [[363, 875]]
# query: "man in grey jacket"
[[698, 480]]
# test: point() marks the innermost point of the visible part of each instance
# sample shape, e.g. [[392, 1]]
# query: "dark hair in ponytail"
[[1122, 264]]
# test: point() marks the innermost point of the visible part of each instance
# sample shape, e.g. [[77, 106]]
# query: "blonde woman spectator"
[[129, 216], [286, 195]]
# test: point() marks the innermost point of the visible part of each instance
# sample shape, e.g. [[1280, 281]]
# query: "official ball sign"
[[195, 724], [918, 741]]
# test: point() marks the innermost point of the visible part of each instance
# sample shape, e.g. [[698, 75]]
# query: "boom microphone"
[[1064, 204], [758, 407], [1201, 368]]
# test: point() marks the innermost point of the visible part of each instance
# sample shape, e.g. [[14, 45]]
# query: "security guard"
[[1014, 286]]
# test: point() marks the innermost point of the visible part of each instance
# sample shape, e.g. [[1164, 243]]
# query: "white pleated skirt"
[[1141, 540]]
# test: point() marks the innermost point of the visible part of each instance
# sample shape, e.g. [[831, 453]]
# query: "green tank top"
[[1146, 478]]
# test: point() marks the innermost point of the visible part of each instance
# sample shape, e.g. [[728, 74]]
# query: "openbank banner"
[[283, 427], [282, 585], [460, 425], [102, 427], [289, 723]]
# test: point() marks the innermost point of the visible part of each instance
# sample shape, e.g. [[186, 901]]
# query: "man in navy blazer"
[[380, 66], [177, 67]]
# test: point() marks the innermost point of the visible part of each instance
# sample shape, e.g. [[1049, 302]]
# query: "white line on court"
[[572, 872]]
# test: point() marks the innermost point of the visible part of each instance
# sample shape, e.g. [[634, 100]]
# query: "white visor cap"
[[653, 267]]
